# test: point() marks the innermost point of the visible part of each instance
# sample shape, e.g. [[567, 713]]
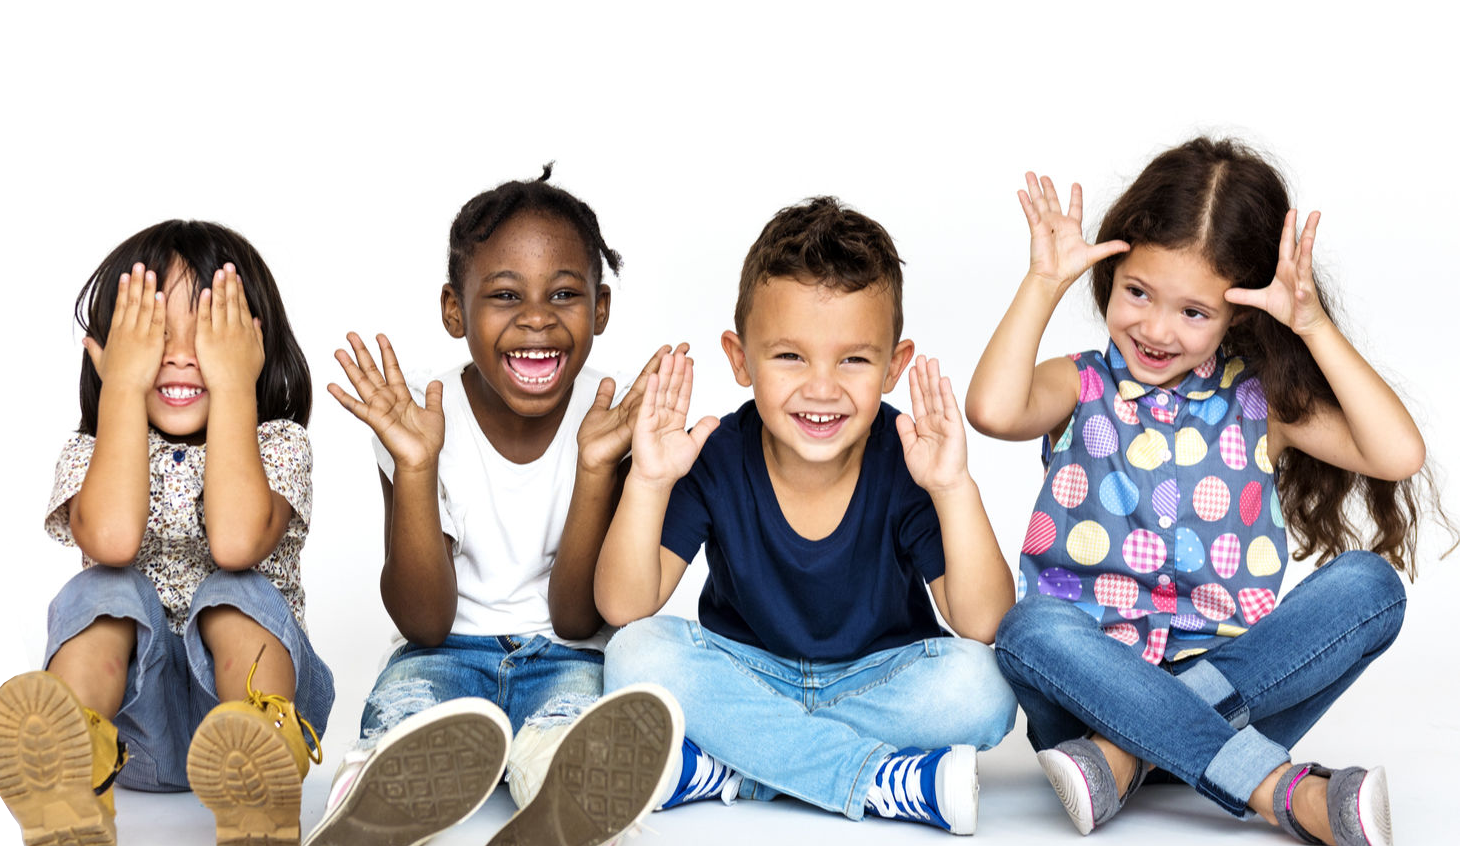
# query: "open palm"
[[413, 434]]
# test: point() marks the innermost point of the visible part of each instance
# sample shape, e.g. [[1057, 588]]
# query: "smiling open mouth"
[[534, 367], [1154, 355]]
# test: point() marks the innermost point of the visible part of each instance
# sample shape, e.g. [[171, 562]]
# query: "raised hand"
[[933, 441], [133, 352], [412, 434], [607, 431], [1058, 251], [230, 341], [663, 450], [1291, 297]]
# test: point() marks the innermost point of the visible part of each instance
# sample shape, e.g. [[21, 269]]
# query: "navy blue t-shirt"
[[859, 590]]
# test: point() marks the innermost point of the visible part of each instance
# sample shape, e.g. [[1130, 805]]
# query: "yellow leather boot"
[[57, 763], [246, 764]]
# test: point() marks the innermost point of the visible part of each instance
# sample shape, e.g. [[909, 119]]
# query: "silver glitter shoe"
[[1358, 805], [1082, 779]]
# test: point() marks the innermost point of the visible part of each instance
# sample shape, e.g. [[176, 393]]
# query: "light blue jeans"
[[815, 730], [171, 684], [525, 677], [1221, 721]]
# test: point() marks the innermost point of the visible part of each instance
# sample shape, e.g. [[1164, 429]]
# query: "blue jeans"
[[1223, 720], [525, 677], [171, 683], [815, 730]]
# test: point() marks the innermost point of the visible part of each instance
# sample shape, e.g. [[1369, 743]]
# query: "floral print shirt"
[[174, 552], [1159, 514]]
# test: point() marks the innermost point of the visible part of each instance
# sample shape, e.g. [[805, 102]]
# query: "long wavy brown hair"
[[1223, 200]]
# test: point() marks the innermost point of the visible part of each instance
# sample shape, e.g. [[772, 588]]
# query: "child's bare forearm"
[[570, 586], [1002, 397], [108, 515], [1388, 441], [418, 578], [243, 517], [629, 581], [976, 581]]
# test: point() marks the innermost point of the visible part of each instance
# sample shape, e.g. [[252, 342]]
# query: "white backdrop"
[[342, 139]]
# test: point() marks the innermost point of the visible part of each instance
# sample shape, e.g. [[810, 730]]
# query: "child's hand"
[[1292, 297], [133, 352], [413, 435], [1058, 251], [606, 432], [663, 450], [230, 341], [934, 445]]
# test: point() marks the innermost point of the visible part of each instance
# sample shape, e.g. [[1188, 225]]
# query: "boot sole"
[[424, 782], [45, 765], [608, 773], [242, 771]]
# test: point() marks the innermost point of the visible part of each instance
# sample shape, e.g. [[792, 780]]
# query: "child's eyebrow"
[[514, 276], [855, 348]]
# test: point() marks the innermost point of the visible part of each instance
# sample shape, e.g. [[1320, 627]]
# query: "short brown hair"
[[823, 241]]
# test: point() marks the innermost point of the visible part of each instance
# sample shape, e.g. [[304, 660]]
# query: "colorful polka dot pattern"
[[174, 552], [1158, 512]]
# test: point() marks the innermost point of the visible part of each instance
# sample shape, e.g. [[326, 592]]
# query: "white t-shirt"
[[505, 519]]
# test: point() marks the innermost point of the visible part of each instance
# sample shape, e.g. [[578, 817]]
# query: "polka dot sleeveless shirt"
[[1158, 515]]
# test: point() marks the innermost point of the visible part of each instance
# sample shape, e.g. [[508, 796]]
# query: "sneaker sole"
[[1070, 786], [608, 773], [1374, 808], [242, 771], [45, 765], [962, 770], [429, 778]]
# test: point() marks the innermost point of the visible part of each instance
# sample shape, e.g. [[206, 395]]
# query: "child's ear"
[[600, 309], [902, 354], [735, 351], [451, 312]]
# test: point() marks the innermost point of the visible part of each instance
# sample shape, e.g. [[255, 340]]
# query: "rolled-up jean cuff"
[[1208, 682], [254, 595], [1239, 766]]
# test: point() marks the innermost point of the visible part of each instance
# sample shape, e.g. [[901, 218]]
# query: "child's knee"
[[974, 687], [644, 651]]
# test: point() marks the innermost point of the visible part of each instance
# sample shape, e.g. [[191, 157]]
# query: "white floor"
[[1017, 807]]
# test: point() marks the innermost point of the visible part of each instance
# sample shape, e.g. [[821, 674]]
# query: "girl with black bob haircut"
[[187, 490]]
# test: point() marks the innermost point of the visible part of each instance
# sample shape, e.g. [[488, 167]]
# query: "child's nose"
[[1159, 327], [178, 349], [536, 315], [821, 384]]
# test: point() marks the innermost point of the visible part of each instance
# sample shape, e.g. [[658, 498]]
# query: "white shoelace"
[[897, 791]]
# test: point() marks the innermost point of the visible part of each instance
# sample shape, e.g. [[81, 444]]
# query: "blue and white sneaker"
[[938, 788], [701, 776]]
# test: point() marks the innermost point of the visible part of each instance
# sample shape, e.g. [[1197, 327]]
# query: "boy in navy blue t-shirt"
[[817, 668]]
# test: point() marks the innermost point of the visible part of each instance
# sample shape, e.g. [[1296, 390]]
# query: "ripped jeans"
[[542, 687]]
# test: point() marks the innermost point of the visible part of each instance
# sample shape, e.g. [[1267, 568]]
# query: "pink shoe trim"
[[1293, 785]]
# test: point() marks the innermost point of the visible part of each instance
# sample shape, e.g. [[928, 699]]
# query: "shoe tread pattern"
[[241, 769], [603, 777], [45, 765], [420, 785]]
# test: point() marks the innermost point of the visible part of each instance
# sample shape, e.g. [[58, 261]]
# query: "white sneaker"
[[425, 775]]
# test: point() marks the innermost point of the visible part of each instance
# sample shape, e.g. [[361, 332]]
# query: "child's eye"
[[1138, 293], [787, 356], [855, 359], [565, 295], [505, 296], [1193, 314]]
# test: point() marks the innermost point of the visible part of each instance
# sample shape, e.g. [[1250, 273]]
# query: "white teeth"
[[533, 380], [819, 418], [176, 392], [534, 354], [1153, 353]]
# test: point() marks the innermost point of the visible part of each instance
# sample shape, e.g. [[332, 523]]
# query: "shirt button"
[[1164, 579], [1162, 399], [1165, 522], [1166, 455]]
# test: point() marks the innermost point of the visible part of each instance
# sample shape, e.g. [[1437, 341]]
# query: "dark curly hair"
[[283, 390], [482, 214], [823, 241], [1221, 199]]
